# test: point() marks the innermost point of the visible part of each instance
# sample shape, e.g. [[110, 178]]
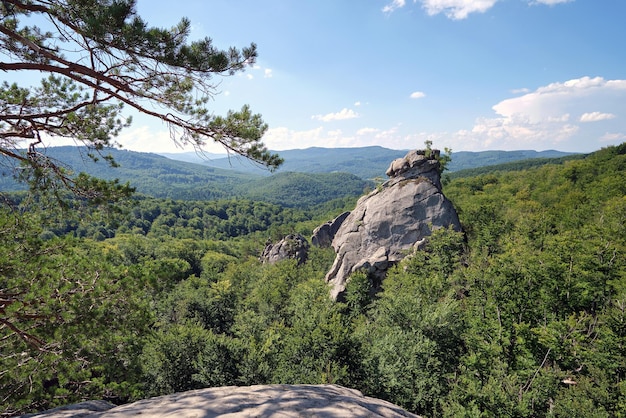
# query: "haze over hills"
[[364, 162], [308, 177], [161, 177]]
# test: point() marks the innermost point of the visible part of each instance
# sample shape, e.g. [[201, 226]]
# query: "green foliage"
[[185, 357], [411, 341], [197, 301], [358, 293], [523, 315], [303, 189], [317, 347], [444, 159], [540, 282], [474, 164], [64, 311]]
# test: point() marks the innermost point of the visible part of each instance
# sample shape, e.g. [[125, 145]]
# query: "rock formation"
[[292, 246], [323, 235], [392, 220], [250, 401]]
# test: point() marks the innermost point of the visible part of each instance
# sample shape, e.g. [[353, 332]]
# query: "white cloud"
[[367, 131], [268, 73], [543, 117], [459, 9], [249, 76], [343, 114], [522, 90], [550, 2], [357, 104], [145, 138], [516, 132], [282, 138], [548, 117], [596, 116], [417, 95], [613, 137], [395, 4], [556, 99]]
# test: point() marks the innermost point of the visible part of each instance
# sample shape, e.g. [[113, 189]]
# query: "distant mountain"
[[149, 173], [464, 160], [308, 177], [158, 176], [517, 165], [192, 156], [365, 162]]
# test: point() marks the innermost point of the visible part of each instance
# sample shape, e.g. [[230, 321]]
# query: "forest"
[[523, 314]]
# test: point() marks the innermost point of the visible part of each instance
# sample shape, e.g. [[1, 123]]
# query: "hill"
[[161, 177], [518, 165], [308, 177], [149, 173], [364, 162], [293, 189], [465, 160]]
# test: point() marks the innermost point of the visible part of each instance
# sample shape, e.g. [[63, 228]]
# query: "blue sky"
[[470, 75]]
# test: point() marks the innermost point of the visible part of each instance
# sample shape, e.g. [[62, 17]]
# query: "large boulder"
[[392, 220], [293, 246], [249, 401]]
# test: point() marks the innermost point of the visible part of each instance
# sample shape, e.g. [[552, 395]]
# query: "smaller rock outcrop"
[[293, 246], [323, 235]]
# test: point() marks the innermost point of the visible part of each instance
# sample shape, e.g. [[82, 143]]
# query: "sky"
[[470, 75]]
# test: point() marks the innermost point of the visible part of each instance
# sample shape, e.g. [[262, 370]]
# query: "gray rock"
[[256, 401], [293, 246], [78, 410], [391, 221], [323, 235], [415, 164]]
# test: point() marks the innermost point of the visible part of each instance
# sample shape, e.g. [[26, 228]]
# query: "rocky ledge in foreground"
[[328, 401]]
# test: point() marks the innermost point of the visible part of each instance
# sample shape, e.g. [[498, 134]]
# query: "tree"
[[444, 159], [72, 323], [101, 56]]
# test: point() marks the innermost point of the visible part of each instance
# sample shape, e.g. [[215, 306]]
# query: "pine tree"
[[99, 57]]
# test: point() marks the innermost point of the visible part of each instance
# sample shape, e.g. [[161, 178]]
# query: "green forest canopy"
[[523, 316]]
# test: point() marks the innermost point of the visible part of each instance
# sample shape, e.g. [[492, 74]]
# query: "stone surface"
[[392, 220], [415, 164], [293, 246], [327, 401], [323, 235], [83, 409]]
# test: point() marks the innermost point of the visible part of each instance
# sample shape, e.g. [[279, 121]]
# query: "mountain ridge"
[[366, 162], [309, 176]]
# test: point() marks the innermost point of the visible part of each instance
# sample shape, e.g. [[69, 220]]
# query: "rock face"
[[392, 220], [251, 401], [323, 235], [292, 246]]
